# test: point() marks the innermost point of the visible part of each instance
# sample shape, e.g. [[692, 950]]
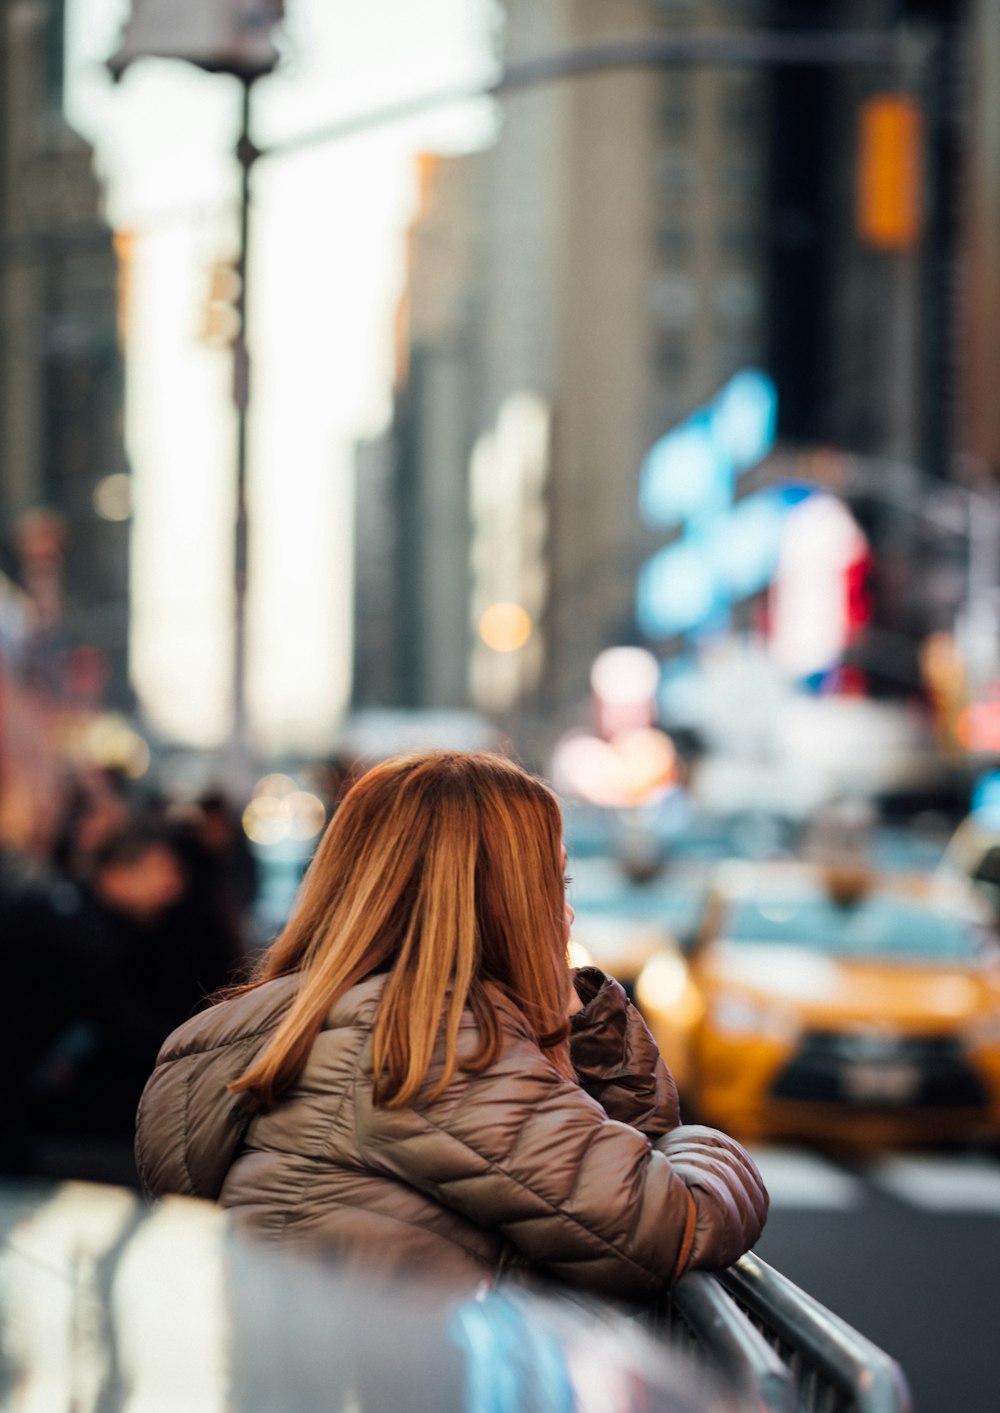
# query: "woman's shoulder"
[[259, 1009], [235, 1018]]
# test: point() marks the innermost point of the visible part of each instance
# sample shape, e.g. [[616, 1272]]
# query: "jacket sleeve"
[[521, 1150], [616, 1058], [189, 1126]]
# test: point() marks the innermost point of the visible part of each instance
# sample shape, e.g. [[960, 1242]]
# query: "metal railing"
[[781, 1350]]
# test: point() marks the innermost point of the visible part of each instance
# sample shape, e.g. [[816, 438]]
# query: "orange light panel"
[[890, 172]]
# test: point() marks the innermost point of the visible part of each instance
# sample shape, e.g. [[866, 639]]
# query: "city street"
[[900, 1243], [496, 496], [904, 1247]]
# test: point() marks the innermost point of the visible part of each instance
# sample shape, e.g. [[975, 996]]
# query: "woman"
[[416, 1079]]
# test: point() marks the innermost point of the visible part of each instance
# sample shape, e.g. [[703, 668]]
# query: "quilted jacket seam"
[[185, 1146], [311, 1177], [209, 1048], [637, 1215], [579, 1167], [559, 1214]]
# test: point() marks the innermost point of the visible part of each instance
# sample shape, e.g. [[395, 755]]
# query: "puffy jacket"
[[595, 1182]]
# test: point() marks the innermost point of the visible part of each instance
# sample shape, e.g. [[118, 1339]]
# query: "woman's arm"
[[520, 1150], [616, 1058]]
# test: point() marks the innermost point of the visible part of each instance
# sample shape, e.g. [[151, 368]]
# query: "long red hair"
[[443, 869]]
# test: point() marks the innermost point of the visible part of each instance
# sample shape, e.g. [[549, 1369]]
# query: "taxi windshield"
[[873, 926]]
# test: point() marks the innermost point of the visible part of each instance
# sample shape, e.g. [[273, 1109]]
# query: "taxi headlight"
[[662, 982], [736, 1015]]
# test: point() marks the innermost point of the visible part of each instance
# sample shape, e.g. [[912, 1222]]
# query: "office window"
[[674, 171], [674, 300], [740, 240], [737, 297], [673, 243], [672, 356]]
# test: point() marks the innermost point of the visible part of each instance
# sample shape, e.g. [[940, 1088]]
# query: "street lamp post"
[[246, 154], [232, 37]]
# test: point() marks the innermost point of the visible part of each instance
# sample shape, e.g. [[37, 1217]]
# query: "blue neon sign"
[[727, 551]]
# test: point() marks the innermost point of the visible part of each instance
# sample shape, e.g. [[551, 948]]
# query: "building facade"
[[635, 238], [61, 438]]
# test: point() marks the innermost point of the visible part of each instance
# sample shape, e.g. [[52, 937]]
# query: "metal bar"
[[736, 1349], [857, 47], [849, 1360]]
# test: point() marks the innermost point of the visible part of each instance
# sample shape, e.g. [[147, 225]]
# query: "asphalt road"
[[905, 1247]]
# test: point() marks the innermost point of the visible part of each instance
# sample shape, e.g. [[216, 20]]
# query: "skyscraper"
[[61, 443]]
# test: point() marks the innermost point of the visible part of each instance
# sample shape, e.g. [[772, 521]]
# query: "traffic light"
[[124, 248], [221, 318], [890, 172]]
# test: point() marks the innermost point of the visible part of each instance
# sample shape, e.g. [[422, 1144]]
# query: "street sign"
[[223, 36]]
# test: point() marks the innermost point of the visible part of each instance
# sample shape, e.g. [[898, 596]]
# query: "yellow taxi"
[[832, 1004]]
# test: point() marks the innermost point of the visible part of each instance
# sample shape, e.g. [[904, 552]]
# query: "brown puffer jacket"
[[595, 1183]]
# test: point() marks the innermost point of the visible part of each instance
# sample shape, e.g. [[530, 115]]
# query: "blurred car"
[[833, 1004]]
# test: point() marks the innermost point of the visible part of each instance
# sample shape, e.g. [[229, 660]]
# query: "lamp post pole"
[[228, 37], [246, 155]]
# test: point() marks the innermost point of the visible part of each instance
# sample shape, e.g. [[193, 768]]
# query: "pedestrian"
[[231, 869], [99, 973], [417, 1081]]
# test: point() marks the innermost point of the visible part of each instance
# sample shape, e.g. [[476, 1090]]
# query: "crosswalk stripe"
[[953, 1184], [798, 1179]]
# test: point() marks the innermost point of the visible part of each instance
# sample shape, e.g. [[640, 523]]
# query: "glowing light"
[[625, 675], [662, 982], [682, 473], [810, 618], [985, 802], [505, 627], [280, 810], [676, 591], [265, 820], [978, 727], [746, 546], [579, 956], [112, 497], [744, 418], [307, 814], [648, 761], [632, 769], [277, 785], [111, 742], [690, 470], [585, 767]]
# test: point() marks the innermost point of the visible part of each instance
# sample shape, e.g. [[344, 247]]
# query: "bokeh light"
[[111, 742], [505, 627], [112, 497], [625, 675]]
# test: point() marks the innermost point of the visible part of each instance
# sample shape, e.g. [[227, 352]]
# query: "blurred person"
[[220, 831], [231, 872], [96, 807], [99, 973], [222, 871], [417, 1081]]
